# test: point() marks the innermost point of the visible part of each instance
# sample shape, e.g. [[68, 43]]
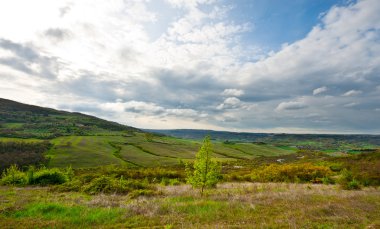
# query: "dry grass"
[[231, 205]]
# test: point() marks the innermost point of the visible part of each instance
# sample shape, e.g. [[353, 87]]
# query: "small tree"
[[205, 171]]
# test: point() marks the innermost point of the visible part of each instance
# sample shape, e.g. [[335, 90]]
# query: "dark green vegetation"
[[27, 121], [78, 171], [22, 153]]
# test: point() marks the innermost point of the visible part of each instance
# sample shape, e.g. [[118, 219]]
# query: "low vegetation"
[[22, 153], [236, 205]]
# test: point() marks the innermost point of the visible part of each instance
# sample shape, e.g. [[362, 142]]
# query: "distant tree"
[[149, 137], [205, 171]]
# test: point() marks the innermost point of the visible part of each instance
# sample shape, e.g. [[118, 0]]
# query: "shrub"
[[106, 184], [290, 173], [166, 181], [13, 176], [327, 180], [30, 174], [174, 182], [49, 176], [74, 185], [347, 181], [69, 173], [353, 185]]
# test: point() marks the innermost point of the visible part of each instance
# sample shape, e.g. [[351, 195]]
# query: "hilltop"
[[27, 121]]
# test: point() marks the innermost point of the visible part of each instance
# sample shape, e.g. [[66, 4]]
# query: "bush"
[[74, 185], [290, 173], [174, 182], [327, 180], [13, 176], [166, 181], [347, 181], [106, 184], [49, 176], [353, 185]]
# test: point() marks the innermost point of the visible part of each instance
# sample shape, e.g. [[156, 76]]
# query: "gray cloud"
[[26, 59], [57, 34], [319, 90], [292, 105]]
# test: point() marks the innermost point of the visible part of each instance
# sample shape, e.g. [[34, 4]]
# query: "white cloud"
[[233, 92], [229, 103], [350, 104], [235, 103], [319, 90], [352, 93], [291, 105]]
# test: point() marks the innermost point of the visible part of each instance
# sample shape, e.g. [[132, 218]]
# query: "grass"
[[5, 139], [254, 150], [139, 157], [83, 151], [231, 205], [70, 215], [135, 150], [12, 125]]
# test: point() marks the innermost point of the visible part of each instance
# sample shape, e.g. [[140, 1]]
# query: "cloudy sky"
[[305, 66]]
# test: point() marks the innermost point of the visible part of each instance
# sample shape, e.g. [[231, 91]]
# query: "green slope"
[[92, 151], [84, 141], [27, 121]]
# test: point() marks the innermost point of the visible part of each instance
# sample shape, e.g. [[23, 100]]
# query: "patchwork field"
[[83, 151], [92, 151], [136, 150]]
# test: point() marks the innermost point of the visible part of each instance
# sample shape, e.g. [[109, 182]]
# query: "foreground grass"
[[231, 205]]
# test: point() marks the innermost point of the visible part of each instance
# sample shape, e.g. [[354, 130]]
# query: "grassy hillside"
[[136, 150], [27, 121]]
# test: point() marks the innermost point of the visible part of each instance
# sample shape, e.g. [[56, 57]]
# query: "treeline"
[[22, 153]]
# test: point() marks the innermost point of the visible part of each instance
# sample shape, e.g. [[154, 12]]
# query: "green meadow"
[[93, 151]]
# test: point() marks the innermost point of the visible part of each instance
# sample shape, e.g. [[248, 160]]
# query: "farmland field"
[[83, 151], [93, 151]]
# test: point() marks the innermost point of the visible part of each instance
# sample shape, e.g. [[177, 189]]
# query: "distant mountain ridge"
[[266, 137], [28, 121]]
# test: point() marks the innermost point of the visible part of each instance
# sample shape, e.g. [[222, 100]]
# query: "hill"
[[26, 121], [322, 142]]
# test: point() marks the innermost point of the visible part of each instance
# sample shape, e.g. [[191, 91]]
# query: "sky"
[[300, 66]]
